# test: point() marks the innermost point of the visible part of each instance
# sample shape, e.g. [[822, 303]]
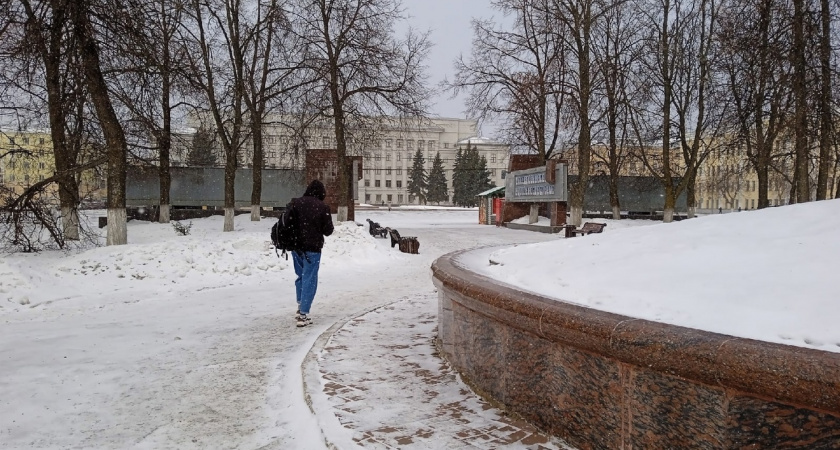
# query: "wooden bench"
[[587, 228], [377, 230], [407, 244]]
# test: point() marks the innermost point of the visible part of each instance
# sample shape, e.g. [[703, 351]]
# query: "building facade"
[[387, 146]]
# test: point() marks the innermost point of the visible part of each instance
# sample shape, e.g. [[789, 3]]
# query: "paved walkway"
[[380, 375]]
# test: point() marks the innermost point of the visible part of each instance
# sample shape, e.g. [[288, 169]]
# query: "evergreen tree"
[[418, 182], [437, 191], [201, 151], [458, 178], [484, 182], [471, 177]]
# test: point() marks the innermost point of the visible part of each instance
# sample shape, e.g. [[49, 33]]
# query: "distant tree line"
[[666, 84], [112, 79]]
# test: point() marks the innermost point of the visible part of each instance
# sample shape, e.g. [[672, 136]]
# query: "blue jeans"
[[306, 269]]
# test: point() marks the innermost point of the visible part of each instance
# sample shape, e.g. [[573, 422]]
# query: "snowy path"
[[202, 360]]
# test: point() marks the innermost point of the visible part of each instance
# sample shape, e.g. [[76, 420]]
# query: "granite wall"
[[604, 381]]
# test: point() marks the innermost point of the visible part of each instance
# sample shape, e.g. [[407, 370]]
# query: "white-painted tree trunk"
[[616, 212], [576, 216], [534, 215], [668, 215], [692, 212], [117, 230], [70, 223], [228, 219], [342, 214], [164, 214], [255, 213]]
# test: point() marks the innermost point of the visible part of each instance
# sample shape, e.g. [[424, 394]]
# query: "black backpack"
[[285, 235]]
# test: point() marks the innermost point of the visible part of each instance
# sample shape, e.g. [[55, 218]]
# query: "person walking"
[[314, 222]]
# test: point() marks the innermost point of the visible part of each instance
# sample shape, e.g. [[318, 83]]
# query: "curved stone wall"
[[605, 381]]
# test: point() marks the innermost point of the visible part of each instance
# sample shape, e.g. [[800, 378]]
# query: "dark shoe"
[[303, 320]]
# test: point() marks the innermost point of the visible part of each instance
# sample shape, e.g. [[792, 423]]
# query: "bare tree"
[[362, 69], [84, 32], [216, 68], [616, 46], [578, 19], [273, 73], [753, 38], [516, 75], [54, 79], [145, 60]]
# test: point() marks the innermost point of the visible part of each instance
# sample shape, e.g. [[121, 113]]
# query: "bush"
[[182, 229]]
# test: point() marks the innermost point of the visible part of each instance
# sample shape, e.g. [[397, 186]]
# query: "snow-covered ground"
[[189, 341]]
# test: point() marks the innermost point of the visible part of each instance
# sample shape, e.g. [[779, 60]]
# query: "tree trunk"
[[165, 143], [691, 199], [825, 103], [800, 125], [64, 156], [117, 147], [230, 200], [577, 196], [257, 162]]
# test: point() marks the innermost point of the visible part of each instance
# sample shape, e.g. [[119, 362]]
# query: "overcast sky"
[[449, 22]]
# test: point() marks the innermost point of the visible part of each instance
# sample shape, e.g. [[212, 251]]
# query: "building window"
[[399, 143], [399, 171], [325, 141], [493, 158], [367, 198], [378, 198], [399, 198], [388, 143], [419, 145], [387, 183], [367, 183], [446, 145], [431, 145], [377, 171], [377, 156], [399, 185], [388, 171], [376, 183], [388, 156], [411, 199], [493, 172], [399, 156], [41, 165], [390, 197], [41, 141]]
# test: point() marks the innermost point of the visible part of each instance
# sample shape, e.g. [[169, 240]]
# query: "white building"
[[388, 147]]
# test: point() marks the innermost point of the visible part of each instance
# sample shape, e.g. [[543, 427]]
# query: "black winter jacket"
[[314, 217]]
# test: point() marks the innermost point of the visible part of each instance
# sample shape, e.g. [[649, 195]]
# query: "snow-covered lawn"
[[766, 275]]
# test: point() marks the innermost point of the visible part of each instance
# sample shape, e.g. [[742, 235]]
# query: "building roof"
[[491, 191]]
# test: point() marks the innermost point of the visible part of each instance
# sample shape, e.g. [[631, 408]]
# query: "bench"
[[407, 244], [587, 228], [377, 230]]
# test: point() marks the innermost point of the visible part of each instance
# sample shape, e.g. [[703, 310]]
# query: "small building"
[[490, 204]]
